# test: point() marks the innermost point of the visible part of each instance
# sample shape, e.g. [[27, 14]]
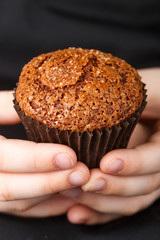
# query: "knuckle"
[[40, 160], [5, 194], [121, 190], [138, 162], [35, 159], [110, 187], [154, 182], [151, 183], [35, 163], [20, 207], [115, 187], [49, 186]]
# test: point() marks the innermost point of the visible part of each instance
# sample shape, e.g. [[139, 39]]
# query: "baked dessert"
[[80, 97]]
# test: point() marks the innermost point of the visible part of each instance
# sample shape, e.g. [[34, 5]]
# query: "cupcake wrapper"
[[89, 147]]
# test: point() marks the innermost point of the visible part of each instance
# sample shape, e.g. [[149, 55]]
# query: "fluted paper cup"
[[90, 147]]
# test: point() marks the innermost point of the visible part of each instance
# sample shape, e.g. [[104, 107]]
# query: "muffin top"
[[79, 89]]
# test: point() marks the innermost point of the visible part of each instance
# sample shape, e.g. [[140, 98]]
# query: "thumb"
[[8, 114]]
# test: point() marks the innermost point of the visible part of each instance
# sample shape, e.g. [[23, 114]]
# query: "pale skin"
[[28, 171], [31, 174]]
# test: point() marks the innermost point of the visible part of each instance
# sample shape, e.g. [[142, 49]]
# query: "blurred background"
[[127, 29]]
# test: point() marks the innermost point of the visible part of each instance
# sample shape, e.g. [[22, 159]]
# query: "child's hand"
[[30, 173], [110, 194], [128, 179]]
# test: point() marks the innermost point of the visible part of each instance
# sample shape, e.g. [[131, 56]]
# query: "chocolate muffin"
[[83, 98]]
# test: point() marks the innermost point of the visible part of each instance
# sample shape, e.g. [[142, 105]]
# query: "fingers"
[[19, 206], [140, 135], [124, 206], [144, 159], [121, 186], [24, 186], [80, 214], [152, 110], [53, 206], [25, 156], [8, 114]]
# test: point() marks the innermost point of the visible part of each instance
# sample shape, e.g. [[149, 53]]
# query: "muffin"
[[83, 98]]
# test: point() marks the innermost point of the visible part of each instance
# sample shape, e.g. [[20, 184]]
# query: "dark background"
[[128, 29]]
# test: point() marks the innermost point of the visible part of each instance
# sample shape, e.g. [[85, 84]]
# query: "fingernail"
[[77, 178], [72, 193], [98, 185], [63, 161], [114, 166]]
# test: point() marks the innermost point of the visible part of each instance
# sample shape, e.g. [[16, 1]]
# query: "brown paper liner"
[[89, 147]]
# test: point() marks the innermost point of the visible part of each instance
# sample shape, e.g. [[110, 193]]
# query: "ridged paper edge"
[[89, 147]]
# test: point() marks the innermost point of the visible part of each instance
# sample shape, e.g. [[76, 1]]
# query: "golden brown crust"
[[79, 89]]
